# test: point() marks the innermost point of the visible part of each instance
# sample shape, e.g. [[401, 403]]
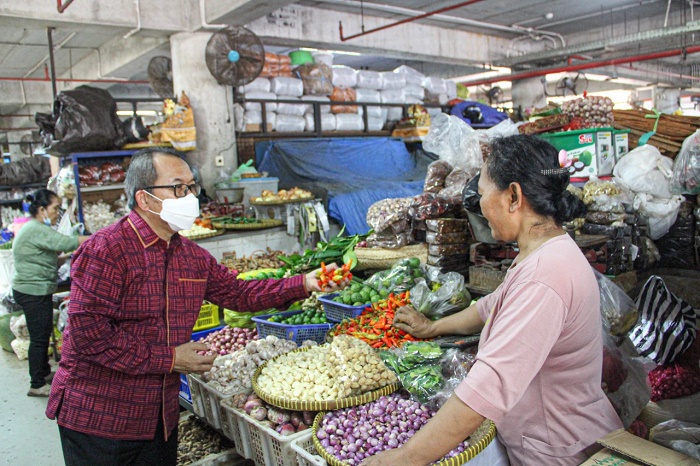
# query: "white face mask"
[[180, 213]]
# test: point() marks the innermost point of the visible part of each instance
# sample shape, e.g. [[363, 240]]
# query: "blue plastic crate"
[[185, 393], [337, 312], [296, 333]]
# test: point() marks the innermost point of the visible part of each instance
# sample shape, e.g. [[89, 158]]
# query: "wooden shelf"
[[107, 187]]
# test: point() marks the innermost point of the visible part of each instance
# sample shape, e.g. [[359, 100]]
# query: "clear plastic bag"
[[18, 326], [645, 170], [416, 364], [661, 212], [455, 365], [429, 205], [443, 295], [686, 167], [389, 239], [343, 95], [455, 142], [435, 178], [619, 312], [399, 278], [455, 183], [677, 435], [386, 213], [624, 381]]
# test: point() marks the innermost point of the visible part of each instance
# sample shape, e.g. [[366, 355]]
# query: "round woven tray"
[[382, 258], [281, 202], [204, 235], [480, 439], [329, 405], [259, 225]]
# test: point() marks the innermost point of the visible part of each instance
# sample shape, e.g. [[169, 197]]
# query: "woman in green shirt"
[[35, 250]]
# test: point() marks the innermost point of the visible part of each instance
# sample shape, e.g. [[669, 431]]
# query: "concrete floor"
[[27, 436]]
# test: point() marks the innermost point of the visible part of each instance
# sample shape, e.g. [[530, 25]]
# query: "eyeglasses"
[[181, 190]]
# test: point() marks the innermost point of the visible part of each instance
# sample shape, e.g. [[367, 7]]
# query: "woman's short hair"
[[533, 163], [40, 198], [141, 172]]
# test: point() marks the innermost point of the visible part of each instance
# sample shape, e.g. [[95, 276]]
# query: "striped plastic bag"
[[667, 324]]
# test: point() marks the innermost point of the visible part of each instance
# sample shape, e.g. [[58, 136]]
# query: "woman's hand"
[[413, 322], [311, 280], [393, 457]]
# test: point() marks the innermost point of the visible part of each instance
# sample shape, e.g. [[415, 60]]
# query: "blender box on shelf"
[[589, 150]]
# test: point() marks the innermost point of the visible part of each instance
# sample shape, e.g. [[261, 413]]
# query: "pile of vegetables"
[[233, 373], [267, 259], [280, 420], [244, 319], [674, 381], [401, 277], [228, 339], [197, 440], [358, 294], [375, 325], [353, 434], [261, 274], [307, 316], [417, 365], [339, 250], [340, 369]]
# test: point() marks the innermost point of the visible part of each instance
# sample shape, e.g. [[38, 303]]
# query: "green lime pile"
[[261, 274], [308, 316], [358, 294]]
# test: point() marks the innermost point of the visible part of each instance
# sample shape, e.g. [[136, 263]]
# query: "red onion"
[[353, 434], [228, 340]]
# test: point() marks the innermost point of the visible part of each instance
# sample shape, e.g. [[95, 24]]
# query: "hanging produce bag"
[[84, 119], [667, 326], [686, 167]]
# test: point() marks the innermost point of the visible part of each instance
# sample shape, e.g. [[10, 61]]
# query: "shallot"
[[228, 339]]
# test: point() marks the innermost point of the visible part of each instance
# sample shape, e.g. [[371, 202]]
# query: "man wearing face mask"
[[137, 288]]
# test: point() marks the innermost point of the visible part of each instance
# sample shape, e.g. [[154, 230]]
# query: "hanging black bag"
[[666, 326]]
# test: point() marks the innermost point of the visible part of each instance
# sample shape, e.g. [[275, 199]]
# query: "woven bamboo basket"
[[480, 439], [681, 409], [327, 405], [382, 258]]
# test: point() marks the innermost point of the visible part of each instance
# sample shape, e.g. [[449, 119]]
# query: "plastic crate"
[[206, 401], [269, 448], [337, 312], [185, 392], [208, 317], [236, 429], [306, 452], [295, 333]]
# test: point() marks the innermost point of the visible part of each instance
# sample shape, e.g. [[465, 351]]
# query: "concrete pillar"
[[528, 93], [211, 103], [666, 99]]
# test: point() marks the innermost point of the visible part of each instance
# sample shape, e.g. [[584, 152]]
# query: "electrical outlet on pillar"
[[219, 160]]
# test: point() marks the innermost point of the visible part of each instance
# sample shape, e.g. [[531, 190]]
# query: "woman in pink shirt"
[[538, 369]]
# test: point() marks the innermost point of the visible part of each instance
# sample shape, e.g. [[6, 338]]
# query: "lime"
[[414, 262], [347, 299], [355, 287], [358, 304], [384, 293], [356, 297], [280, 273], [386, 283]]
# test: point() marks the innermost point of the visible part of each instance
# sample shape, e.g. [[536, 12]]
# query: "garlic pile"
[[196, 230], [343, 368], [233, 373], [98, 215]]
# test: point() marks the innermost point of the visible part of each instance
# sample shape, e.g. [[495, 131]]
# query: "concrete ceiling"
[[109, 44]]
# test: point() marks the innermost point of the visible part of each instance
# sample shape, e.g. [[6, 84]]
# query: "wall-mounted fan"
[[235, 56], [494, 95], [572, 84], [160, 76]]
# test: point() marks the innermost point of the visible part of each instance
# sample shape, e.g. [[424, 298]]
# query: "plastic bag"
[[618, 311], [399, 278], [662, 213], [387, 213], [448, 297], [344, 76], [454, 186], [390, 240], [455, 365], [343, 95], [20, 346], [257, 106], [686, 167], [471, 197], [18, 326], [369, 79], [317, 78], [455, 142], [667, 325], [624, 381], [429, 205], [680, 436], [83, 119], [287, 86], [284, 108], [392, 80], [645, 170], [415, 365], [257, 84]]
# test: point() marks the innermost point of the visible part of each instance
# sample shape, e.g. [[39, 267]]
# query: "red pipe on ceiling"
[[4, 78], [61, 7], [403, 21], [584, 66]]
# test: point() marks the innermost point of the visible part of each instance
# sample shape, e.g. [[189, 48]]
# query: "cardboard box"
[[590, 150], [257, 127], [621, 142], [623, 448]]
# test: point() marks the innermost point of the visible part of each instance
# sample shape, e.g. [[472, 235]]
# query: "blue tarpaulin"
[[356, 172]]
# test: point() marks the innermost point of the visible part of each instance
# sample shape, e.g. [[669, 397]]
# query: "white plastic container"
[[327, 122], [391, 80], [255, 186], [348, 122], [369, 79], [290, 109], [257, 84], [256, 106], [290, 123], [344, 76], [316, 98], [287, 86]]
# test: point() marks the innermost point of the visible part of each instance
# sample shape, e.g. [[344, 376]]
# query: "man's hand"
[[311, 280], [413, 322], [187, 361]]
